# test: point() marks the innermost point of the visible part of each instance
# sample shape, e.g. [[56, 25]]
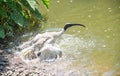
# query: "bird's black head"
[[69, 25]]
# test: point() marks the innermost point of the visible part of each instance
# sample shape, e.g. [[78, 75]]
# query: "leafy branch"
[[17, 14]]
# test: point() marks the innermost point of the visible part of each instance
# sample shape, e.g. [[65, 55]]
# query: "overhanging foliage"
[[16, 14]]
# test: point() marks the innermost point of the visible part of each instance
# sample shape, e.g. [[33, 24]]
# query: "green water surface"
[[97, 46]]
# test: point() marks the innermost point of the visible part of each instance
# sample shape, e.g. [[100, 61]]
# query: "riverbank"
[[12, 65]]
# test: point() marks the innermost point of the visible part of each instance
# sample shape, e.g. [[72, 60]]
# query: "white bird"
[[52, 36], [50, 52], [44, 44]]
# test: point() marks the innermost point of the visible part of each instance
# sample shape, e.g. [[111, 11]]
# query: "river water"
[[90, 51], [95, 49]]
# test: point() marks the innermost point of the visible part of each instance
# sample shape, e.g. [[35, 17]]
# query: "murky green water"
[[96, 47], [90, 51]]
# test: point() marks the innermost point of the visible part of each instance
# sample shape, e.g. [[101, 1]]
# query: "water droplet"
[[78, 31], [87, 28], [71, 1], [89, 16], [107, 36], [58, 1], [109, 29], [105, 30], [119, 7], [103, 45], [73, 30], [109, 8]]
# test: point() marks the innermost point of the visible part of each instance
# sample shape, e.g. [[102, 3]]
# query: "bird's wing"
[[40, 42]]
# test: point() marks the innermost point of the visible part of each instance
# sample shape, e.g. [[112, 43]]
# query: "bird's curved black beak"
[[69, 25]]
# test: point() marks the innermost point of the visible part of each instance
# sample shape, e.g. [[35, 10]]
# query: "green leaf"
[[32, 3], [46, 3], [6, 0], [0, 1], [8, 27], [2, 33], [14, 5], [3, 12], [17, 17], [37, 14], [26, 4]]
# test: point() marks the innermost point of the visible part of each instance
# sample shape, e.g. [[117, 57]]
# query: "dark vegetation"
[[18, 16]]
